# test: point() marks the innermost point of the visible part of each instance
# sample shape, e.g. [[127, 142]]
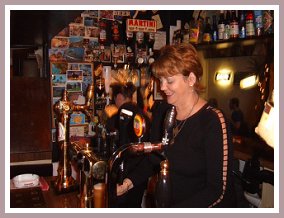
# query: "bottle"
[[250, 32], [150, 40], [129, 47], [268, 22], [221, 26], [227, 26], [258, 22], [163, 192], [242, 25], [214, 29], [103, 34], [234, 25], [185, 37], [140, 39], [207, 31], [115, 32]]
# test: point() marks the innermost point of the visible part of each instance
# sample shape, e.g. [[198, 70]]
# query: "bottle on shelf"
[[214, 29], [242, 24], [234, 26], [258, 22], [207, 31], [221, 26], [250, 32], [150, 40], [129, 47], [227, 26]]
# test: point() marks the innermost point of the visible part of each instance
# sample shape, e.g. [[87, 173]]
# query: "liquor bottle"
[[150, 40], [129, 47], [140, 39], [221, 26], [242, 24], [234, 25], [115, 32], [207, 31], [258, 22], [268, 22], [163, 192], [103, 33], [227, 26], [250, 32], [214, 29]]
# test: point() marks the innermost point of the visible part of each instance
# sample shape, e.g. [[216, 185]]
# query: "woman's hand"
[[126, 185]]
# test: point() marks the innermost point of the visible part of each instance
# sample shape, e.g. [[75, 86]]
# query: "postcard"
[[74, 86], [58, 68], [59, 80], [57, 91], [76, 29], [57, 54], [74, 75], [60, 42]]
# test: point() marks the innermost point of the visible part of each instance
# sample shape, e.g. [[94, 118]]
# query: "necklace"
[[179, 126]]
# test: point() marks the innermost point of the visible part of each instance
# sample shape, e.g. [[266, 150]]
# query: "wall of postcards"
[[96, 38]]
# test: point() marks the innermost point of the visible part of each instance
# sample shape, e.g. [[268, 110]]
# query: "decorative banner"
[[135, 25]]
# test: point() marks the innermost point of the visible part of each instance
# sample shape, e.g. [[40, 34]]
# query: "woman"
[[200, 156]]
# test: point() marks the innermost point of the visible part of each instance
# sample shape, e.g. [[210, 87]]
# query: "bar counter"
[[248, 147]]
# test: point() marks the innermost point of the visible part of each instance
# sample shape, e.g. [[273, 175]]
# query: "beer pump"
[[136, 149], [64, 108]]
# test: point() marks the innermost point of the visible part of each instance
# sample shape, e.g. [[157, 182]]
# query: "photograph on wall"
[[73, 66], [74, 86], [105, 55], [74, 75], [76, 29], [87, 69], [60, 42], [92, 31], [57, 91], [118, 53], [76, 41], [77, 119], [87, 80], [58, 67], [76, 97], [74, 54], [64, 32], [106, 14], [90, 13], [90, 21], [57, 54], [59, 80]]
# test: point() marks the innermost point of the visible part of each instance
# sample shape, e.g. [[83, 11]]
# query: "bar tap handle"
[[169, 123]]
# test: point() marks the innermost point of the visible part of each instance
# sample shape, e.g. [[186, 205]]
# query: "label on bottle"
[[234, 30], [221, 31], [193, 35], [250, 28]]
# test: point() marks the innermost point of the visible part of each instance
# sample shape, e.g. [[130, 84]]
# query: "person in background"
[[238, 124], [122, 121], [213, 102], [200, 154]]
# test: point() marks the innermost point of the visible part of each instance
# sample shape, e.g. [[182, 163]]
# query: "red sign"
[[135, 25]]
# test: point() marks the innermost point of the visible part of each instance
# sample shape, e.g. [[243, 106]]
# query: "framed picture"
[[58, 91], [158, 94], [77, 119]]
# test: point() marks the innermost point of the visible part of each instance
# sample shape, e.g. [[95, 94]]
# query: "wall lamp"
[[249, 82], [223, 77]]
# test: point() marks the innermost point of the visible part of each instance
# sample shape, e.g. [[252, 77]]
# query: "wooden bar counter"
[[247, 147]]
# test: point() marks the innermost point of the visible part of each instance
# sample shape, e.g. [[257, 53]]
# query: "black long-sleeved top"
[[200, 162]]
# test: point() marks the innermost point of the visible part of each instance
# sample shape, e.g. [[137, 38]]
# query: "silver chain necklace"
[[179, 127]]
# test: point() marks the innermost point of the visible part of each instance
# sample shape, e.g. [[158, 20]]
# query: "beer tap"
[[136, 149], [64, 108]]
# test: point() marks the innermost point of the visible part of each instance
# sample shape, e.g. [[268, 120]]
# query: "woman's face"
[[176, 88]]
